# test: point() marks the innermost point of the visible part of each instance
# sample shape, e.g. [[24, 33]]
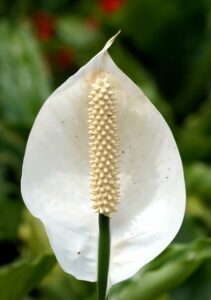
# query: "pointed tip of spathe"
[[110, 41]]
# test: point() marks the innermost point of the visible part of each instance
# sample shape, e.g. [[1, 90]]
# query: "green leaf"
[[174, 59], [199, 211], [166, 272], [24, 81], [17, 279], [198, 178], [33, 234], [194, 139], [74, 32], [197, 287], [62, 286], [189, 230], [10, 218]]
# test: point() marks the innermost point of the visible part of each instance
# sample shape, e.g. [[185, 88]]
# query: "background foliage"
[[165, 48]]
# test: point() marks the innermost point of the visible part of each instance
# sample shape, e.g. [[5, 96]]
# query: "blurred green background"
[[165, 47]]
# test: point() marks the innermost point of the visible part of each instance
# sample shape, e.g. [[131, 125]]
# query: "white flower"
[[56, 180]]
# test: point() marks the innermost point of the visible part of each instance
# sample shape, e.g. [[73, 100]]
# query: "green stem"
[[103, 256]]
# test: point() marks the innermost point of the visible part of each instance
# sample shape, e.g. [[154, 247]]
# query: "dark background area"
[[165, 48]]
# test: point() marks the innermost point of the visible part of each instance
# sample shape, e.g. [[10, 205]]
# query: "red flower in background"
[[64, 58], [92, 23], [44, 24], [110, 6]]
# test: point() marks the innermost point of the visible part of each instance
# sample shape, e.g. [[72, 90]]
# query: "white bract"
[[56, 181]]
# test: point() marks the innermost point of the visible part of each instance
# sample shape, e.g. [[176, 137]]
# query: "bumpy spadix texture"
[[103, 136], [56, 176]]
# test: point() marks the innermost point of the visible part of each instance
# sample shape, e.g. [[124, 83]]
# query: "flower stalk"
[[103, 256]]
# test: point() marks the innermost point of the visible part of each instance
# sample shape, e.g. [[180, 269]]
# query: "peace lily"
[[98, 137]]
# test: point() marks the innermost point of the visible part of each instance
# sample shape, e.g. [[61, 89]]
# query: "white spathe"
[[56, 184]]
